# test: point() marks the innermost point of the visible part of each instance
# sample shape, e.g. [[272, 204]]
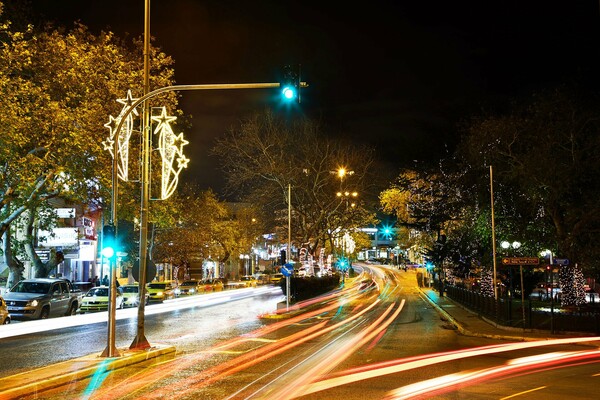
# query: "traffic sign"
[[561, 261], [520, 261], [287, 270]]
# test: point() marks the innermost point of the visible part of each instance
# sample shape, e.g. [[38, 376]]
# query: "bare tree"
[[268, 159]]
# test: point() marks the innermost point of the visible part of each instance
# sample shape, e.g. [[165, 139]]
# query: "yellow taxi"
[[160, 291], [249, 281]]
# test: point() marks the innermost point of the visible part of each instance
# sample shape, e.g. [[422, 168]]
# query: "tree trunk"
[[40, 269], [15, 266]]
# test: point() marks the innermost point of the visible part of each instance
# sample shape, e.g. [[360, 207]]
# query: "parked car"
[[4, 315], [96, 299], [161, 291], [41, 298], [131, 295], [212, 285], [276, 278], [187, 288], [249, 281]]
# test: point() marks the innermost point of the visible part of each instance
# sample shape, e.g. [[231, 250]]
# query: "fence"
[[545, 315]]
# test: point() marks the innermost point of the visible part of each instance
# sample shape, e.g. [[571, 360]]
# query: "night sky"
[[396, 75]]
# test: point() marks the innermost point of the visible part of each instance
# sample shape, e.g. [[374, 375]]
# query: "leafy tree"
[[180, 236], [546, 169], [57, 90]]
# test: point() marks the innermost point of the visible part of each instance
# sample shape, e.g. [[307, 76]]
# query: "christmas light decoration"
[[487, 282], [572, 286], [123, 136], [170, 145]]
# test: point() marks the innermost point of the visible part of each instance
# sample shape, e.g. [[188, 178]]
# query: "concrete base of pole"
[[139, 343]]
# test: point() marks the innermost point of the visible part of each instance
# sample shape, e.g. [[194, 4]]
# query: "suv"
[[41, 298], [160, 291]]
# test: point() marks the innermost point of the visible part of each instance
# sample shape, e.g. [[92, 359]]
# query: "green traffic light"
[[289, 92], [290, 84], [108, 252], [109, 241]]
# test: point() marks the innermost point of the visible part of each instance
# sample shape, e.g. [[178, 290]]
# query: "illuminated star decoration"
[[387, 232], [170, 147], [123, 136]]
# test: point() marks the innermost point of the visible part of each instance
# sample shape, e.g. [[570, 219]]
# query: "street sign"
[[520, 261], [287, 270], [561, 261]]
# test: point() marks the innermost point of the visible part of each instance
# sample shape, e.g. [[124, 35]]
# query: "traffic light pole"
[[289, 248], [111, 348], [140, 340]]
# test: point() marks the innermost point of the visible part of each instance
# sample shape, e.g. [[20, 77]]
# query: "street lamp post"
[[548, 253], [494, 279], [347, 197], [515, 245]]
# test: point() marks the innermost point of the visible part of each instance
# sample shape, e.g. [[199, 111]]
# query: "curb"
[[59, 374]]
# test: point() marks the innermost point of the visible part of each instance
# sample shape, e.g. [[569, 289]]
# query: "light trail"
[[341, 353], [461, 379], [181, 363], [185, 388], [406, 364], [205, 300]]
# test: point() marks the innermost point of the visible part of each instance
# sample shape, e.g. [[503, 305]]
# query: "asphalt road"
[[376, 338], [186, 322]]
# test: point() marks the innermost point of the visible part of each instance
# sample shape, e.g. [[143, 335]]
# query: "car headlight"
[[177, 291], [192, 290], [159, 293], [32, 303]]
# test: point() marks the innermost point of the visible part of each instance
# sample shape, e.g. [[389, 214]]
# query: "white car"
[[96, 299], [131, 295]]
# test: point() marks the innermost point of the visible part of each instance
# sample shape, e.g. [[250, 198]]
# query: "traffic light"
[[283, 258], [343, 264], [109, 241], [387, 232], [290, 85]]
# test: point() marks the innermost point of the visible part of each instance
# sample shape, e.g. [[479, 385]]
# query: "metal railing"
[[508, 312]]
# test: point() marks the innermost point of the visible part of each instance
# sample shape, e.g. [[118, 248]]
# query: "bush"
[[305, 288]]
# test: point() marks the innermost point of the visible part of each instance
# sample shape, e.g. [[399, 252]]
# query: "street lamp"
[[346, 196], [342, 172], [506, 245]]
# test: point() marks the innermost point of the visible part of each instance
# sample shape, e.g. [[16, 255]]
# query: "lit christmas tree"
[[579, 286], [487, 282], [572, 286]]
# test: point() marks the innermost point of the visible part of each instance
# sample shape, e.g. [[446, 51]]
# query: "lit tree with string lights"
[[487, 282], [572, 286]]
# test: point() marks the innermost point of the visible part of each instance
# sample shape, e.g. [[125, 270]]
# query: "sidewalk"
[[12, 387], [469, 323]]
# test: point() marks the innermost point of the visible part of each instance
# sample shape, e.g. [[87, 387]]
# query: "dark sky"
[[396, 75]]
